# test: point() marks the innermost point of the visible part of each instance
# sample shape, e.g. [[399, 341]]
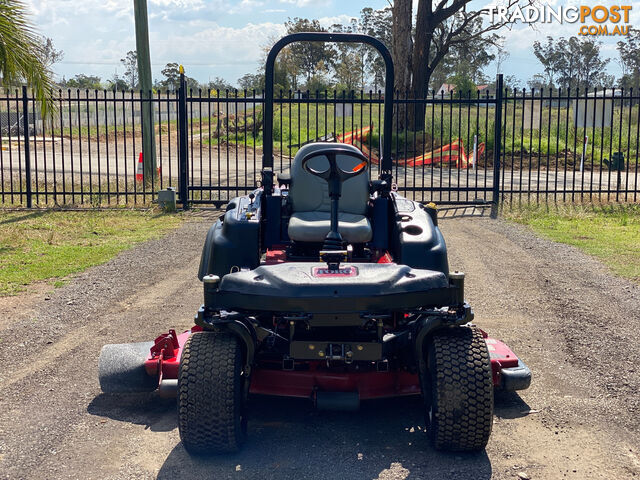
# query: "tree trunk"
[[401, 52], [421, 68]]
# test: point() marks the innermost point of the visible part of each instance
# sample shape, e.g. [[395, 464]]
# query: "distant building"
[[449, 88], [446, 89]]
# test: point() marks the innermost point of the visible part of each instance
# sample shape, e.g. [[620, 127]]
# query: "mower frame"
[[282, 323]]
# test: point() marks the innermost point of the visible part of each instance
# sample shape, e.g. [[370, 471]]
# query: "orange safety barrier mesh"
[[451, 153]]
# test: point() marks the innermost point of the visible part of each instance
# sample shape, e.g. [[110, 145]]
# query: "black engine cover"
[[311, 288], [233, 242]]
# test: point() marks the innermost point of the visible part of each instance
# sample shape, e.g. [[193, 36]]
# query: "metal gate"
[[453, 159]]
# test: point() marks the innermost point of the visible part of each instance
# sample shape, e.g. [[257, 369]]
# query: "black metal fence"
[[570, 145], [477, 148]]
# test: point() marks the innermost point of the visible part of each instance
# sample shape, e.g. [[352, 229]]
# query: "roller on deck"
[[121, 368]]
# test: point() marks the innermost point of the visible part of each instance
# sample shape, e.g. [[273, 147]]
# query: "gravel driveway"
[[575, 325]]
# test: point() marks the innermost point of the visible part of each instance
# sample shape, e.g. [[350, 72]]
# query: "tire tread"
[[462, 390], [210, 394]]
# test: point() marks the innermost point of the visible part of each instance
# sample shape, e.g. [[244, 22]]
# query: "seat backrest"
[[309, 193]]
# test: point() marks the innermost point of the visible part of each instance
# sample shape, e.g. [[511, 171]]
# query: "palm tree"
[[21, 56]]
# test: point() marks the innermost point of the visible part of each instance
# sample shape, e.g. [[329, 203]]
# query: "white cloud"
[[299, 3], [218, 44], [342, 19], [306, 3], [519, 40], [226, 37], [188, 4], [246, 6]]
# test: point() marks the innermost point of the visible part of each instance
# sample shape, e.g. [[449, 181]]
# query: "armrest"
[[284, 177], [377, 186]]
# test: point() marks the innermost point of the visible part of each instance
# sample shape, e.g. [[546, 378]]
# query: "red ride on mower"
[[326, 285]]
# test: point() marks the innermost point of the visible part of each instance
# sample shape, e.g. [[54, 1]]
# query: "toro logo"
[[340, 272]]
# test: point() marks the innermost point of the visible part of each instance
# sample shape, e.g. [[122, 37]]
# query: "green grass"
[[554, 138], [554, 133], [111, 132], [50, 245], [609, 233], [93, 192], [292, 124]]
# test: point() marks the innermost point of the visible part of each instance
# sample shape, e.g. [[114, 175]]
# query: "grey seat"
[[310, 221]]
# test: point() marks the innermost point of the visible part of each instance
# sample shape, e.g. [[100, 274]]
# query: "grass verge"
[[49, 245], [611, 233]]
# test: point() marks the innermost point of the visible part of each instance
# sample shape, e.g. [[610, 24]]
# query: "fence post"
[[27, 146], [497, 145], [182, 153]]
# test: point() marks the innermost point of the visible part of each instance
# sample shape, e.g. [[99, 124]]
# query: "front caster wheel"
[[211, 394], [459, 403]]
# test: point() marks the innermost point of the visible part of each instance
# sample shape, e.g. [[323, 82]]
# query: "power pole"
[[146, 83]]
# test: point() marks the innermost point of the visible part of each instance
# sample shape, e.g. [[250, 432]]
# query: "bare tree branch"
[[441, 25]]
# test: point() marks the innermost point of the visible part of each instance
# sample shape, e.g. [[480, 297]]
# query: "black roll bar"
[[267, 159]]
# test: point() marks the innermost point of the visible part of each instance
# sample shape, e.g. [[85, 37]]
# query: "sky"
[[225, 38]]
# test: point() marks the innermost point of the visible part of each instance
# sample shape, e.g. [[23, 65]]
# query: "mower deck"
[[304, 379]]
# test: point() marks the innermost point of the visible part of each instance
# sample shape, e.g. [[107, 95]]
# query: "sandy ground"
[[574, 323]]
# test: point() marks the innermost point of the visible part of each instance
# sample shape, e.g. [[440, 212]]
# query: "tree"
[[469, 57], [501, 56], [318, 83], [402, 45], [82, 81], [130, 62], [50, 54], [348, 71], [378, 24], [464, 86], [440, 25], [349, 63], [219, 83], [573, 63], [286, 67], [117, 84], [590, 71], [287, 70], [250, 81], [548, 55], [474, 53], [401, 51], [629, 51], [447, 25], [538, 82], [21, 57], [511, 82], [349, 60], [171, 72], [309, 57]]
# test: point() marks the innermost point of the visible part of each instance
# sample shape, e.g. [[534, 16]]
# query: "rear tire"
[[211, 394], [459, 405]]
